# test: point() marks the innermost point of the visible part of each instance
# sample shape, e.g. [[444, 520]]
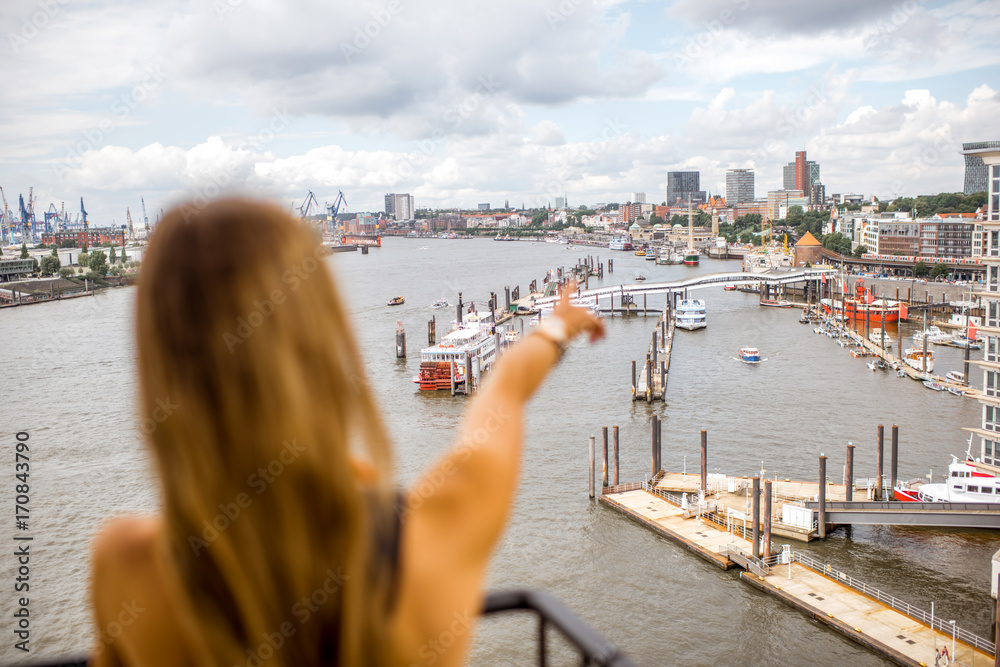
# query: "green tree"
[[1, 252], [124, 257], [112, 256], [746, 237], [940, 270], [65, 272], [83, 258], [49, 265], [860, 250], [655, 220], [84, 248], [920, 269], [24, 250], [539, 217], [98, 263]]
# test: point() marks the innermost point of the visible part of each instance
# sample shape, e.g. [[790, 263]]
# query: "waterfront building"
[[363, 223], [790, 197], [684, 186], [989, 431], [739, 186], [976, 172], [897, 237], [484, 207], [399, 206], [13, 269], [948, 238], [808, 249], [94, 236]]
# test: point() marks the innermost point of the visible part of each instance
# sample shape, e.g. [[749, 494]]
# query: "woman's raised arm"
[[456, 512]]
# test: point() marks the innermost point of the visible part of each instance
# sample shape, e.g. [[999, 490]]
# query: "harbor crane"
[[25, 219], [83, 212], [307, 204], [6, 219], [334, 208], [131, 227], [145, 218]]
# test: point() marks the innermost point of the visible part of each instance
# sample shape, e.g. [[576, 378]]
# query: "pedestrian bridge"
[[949, 515], [698, 282]]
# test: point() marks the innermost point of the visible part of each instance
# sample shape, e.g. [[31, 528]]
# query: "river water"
[[69, 380]]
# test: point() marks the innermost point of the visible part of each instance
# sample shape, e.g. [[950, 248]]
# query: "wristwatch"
[[554, 329]]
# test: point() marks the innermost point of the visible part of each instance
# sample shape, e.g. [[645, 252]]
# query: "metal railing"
[[592, 647], [906, 608]]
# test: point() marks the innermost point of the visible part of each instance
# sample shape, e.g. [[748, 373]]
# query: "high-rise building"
[[638, 198], [739, 186], [788, 176], [801, 174], [976, 173], [683, 186], [817, 196], [399, 207], [989, 427], [560, 202]]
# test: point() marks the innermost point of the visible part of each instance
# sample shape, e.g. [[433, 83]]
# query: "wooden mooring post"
[[878, 463], [652, 438], [849, 474], [767, 520], [400, 341], [432, 330], [704, 461], [756, 516], [822, 496], [893, 460], [590, 481], [604, 473], [614, 448]]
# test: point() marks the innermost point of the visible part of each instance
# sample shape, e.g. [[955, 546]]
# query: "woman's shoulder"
[[127, 542]]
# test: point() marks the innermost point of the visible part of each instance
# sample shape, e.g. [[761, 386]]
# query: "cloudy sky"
[[465, 101]]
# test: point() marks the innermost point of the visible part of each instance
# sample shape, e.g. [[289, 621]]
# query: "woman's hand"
[[578, 320]]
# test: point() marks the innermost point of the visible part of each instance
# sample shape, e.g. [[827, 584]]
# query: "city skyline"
[[586, 100]]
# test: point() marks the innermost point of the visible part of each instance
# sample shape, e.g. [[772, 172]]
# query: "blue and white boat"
[[690, 314], [751, 355]]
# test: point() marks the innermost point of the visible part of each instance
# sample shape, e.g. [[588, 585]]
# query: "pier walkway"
[[947, 515], [651, 383], [895, 629], [885, 624]]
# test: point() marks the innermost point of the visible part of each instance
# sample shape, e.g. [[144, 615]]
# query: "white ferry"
[[620, 243], [968, 482], [463, 354], [690, 314], [933, 334]]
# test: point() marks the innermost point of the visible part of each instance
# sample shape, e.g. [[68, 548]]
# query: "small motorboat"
[[640, 277], [440, 303], [956, 391], [776, 303], [933, 384], [749, 355], [729, 288], [533, 321], [396, 301], [640, 253], [955, 376]]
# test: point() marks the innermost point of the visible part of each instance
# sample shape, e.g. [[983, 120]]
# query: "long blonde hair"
[[253, 398]]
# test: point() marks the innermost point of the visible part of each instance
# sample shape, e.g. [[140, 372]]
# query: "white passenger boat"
[[464, 354], [690, 314], [511, 335], [933, 335], [876, 336], [750, 355], [968, 481], [915, 358], [440, 303]]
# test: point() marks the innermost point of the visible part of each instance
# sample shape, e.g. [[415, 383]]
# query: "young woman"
[[281, 540]]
